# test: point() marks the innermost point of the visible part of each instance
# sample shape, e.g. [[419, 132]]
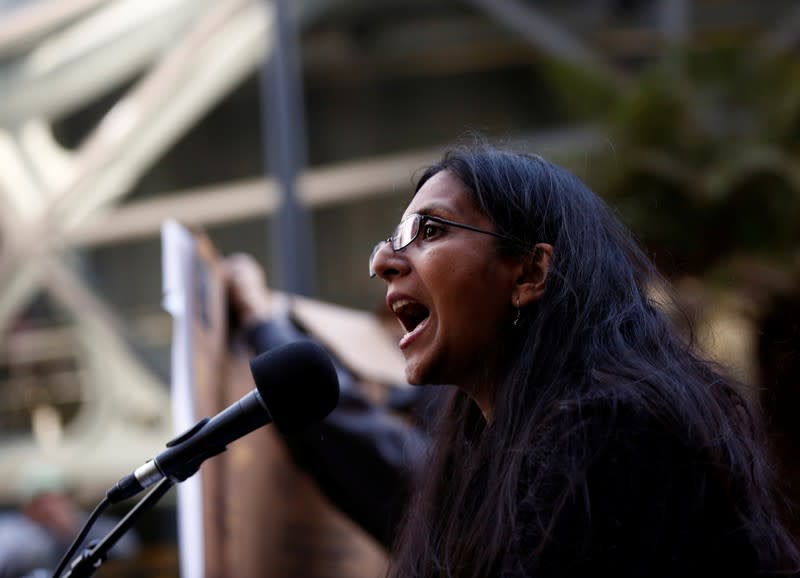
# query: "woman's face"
[[450, 289]]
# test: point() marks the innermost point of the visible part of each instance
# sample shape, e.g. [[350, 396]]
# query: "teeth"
[[410, 313], [400, 303]]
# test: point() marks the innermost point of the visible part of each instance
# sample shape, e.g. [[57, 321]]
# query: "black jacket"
[[361, 456]]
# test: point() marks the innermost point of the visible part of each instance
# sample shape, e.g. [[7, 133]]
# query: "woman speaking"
[[584, 435]]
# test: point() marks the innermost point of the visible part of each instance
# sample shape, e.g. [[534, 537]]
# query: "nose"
[[387, 263]]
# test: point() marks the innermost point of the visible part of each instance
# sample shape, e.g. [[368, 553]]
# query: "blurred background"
[[293, 130]]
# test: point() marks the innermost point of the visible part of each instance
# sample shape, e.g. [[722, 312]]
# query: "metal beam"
[[784, 35], [539, 30], [88, 58], [674, 21], [226, 45], [322, 186], [255, 198], [26, 25], [283, 122]]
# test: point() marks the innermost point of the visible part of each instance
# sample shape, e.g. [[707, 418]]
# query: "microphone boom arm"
[[185, 453]]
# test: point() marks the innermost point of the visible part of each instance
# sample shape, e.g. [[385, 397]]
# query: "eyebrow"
[[435, 208]]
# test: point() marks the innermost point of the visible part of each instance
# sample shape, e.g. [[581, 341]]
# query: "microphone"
[[296, 386]]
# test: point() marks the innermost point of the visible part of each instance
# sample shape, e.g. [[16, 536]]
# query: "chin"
[[427, 372], [413, 378], [418, 374]]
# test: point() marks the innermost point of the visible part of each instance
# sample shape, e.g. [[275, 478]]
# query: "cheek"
[[470, 290], [477, 307]]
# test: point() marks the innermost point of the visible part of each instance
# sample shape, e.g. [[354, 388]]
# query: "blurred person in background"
[[34, 538], [363, 454]]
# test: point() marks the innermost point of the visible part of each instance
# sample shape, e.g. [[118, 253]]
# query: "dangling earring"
[[516, 319]]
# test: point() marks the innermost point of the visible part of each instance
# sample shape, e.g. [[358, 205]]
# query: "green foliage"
[[582, 93], [706, 166]]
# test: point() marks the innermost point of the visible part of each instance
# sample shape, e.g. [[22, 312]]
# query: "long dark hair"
[[596, 331]]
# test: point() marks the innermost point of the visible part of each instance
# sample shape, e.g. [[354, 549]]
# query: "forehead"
[[443, 195]]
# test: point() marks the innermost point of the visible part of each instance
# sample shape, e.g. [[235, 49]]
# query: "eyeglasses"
[[408, 230]]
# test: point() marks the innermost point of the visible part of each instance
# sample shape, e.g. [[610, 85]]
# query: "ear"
[[532, 275]]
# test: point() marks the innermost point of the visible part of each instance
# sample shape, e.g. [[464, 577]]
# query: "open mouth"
[[410, 313]]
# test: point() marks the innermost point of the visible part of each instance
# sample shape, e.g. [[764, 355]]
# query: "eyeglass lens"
[[402, 236], [406, 232]]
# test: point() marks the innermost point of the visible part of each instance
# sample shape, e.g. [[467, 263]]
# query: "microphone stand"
[[95, 554]]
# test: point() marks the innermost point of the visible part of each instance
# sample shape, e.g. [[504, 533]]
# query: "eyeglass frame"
[[420, 219]]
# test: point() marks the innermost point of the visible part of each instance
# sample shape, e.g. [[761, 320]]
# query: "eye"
[[431, 230]]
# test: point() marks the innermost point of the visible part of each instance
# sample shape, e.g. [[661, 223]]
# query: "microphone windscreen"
[[298, 384]]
